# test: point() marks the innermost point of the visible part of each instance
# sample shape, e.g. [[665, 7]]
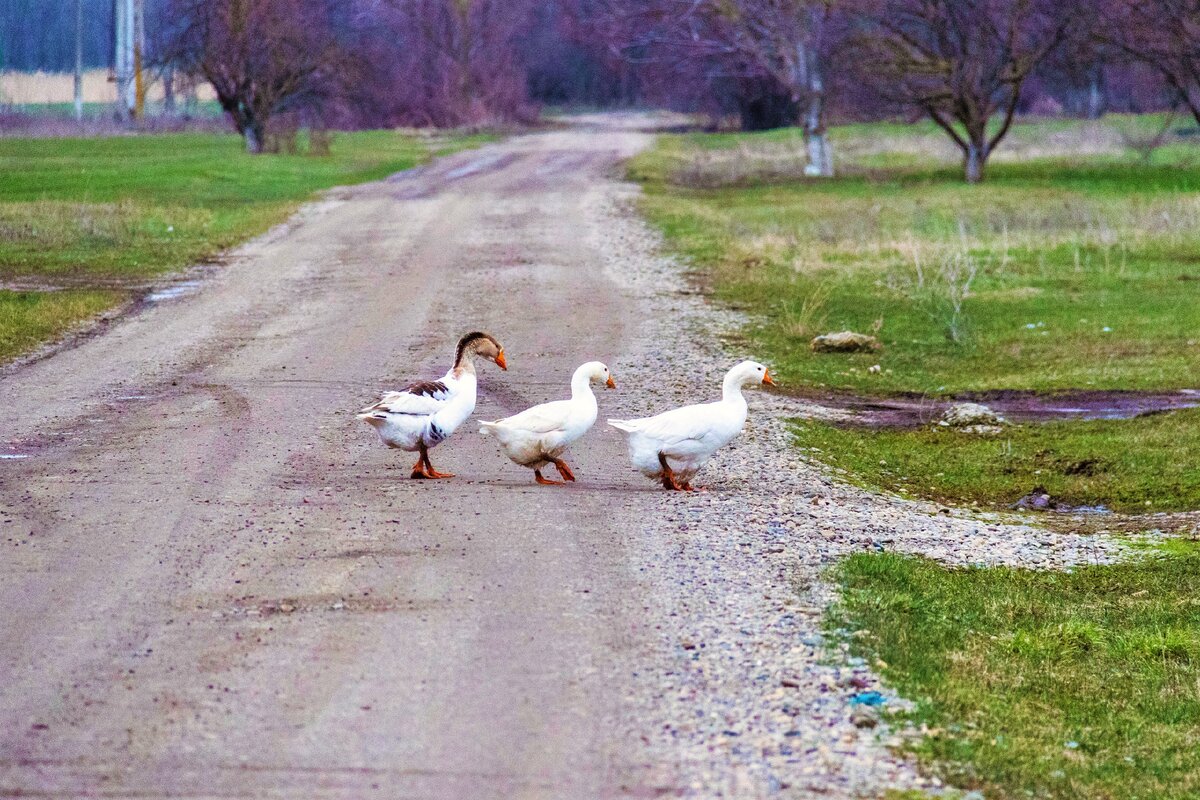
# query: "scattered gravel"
[[750, 699]]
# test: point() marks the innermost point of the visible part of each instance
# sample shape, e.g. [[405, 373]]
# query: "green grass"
[[1086, 277], [1098, 256], [29, 318], [103, 211], [1041, 684], [1125, 465], [138, 206]]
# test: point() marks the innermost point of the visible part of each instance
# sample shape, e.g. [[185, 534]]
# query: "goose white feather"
[[539, 436], [674, 445]]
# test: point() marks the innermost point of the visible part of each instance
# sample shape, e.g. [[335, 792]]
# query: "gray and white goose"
[[425, 414]]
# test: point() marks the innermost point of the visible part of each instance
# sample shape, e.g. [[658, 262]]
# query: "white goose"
[[424, 414], [538, 436], [673, 446]]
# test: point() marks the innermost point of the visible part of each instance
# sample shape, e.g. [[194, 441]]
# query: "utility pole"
[[127, 57], [78, 59], [122, 61]]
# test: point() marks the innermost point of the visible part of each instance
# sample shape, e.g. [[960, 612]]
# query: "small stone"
[[864, 716], [845, 342]]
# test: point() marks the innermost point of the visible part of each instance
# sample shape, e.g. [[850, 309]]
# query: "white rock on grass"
[[972, 418]]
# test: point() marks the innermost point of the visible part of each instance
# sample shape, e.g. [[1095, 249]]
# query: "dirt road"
[[216, 583]]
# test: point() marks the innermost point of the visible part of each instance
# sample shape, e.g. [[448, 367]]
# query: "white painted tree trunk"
[[816, 139], [1096, 101], [976, 158], [820, 156]]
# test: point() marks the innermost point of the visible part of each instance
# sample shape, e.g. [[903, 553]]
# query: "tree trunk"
[[975, 161], [820, 153], [169, 90], [254, 135], [1096, 101]]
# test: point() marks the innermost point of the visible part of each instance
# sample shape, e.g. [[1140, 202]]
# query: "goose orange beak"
[[768, 380], [610, 383], [500, 362]]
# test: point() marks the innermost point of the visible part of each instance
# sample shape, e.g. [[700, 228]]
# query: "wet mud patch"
[[913, 411]]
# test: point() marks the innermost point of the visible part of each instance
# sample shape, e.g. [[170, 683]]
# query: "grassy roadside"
[[1073, 267], [1041, 684], [99, 212], [1081, 258], [1085, 269], [1133, 464]]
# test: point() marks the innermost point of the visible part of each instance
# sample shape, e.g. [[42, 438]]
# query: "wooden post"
[[139, 54]]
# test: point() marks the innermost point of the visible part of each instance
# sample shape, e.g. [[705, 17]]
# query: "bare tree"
[[443, 62], [1164, 35], [769, 55], [962, 63], [262, 57]]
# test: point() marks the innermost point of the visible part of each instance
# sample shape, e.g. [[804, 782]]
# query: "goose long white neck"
[[731, 387], [581, 385], [465, 366]]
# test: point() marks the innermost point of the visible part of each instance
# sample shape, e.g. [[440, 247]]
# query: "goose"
[[674, 445], [424, 414], [538, 436]]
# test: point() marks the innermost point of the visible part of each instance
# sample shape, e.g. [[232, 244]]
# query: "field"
[[1072, 268], [94, 218], [1041, 684]]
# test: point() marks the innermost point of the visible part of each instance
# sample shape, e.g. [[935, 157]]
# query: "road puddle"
[[1015, 406], [174, 291]]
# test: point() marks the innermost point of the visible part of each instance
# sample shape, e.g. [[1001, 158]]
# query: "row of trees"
[[964, 64], [967, 65]]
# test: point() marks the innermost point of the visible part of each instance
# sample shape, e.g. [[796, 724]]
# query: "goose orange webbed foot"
[[668, 475], [537, 476], [564, 470], [428, 471], [418, 470]]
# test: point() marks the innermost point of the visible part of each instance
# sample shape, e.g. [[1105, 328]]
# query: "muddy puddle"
[[1015, 406]]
